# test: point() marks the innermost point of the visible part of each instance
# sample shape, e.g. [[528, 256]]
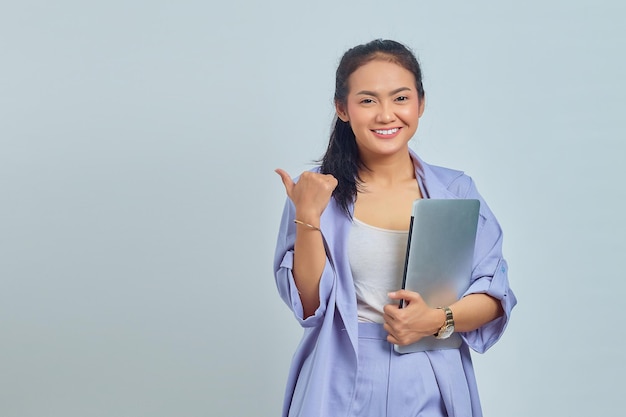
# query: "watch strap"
[[449, 323]]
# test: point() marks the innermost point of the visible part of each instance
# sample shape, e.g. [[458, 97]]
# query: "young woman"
[[340, 256]]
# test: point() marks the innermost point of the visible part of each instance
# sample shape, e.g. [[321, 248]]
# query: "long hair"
[[342, 158]]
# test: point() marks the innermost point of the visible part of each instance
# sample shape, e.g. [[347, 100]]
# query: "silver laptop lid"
[[439, 259]]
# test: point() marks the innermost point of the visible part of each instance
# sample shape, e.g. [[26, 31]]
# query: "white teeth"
[[387, 132]]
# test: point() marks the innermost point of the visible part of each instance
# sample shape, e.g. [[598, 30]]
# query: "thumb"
[[287, 181]]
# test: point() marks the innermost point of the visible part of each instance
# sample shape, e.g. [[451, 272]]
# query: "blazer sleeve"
[[283, 272], [489, 275]]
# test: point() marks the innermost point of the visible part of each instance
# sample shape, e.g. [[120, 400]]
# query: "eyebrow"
[[372, 93]]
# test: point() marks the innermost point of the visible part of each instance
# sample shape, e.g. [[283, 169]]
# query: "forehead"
[[380, 75]]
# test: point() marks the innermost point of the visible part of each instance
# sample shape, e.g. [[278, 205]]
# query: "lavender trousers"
[[390, 384]]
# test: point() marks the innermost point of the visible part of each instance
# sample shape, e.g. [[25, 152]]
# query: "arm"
[[309, 259], [310, 196], [474, 311]]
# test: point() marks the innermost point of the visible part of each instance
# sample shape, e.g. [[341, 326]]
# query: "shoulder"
[[446, 176], [452, 180]]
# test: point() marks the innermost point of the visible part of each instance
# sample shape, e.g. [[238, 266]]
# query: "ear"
[[341, 112], [422, 106]]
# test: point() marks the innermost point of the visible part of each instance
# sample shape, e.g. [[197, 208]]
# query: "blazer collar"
[[430, 184]]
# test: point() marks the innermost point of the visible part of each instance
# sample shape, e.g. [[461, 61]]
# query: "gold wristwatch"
[[448, 327]]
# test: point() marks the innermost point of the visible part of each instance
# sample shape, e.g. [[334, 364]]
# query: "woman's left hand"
[[412, 322]]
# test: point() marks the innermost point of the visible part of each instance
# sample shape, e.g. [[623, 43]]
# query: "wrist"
[[309, 218], [439, 320], [447, 329], [307, 225]]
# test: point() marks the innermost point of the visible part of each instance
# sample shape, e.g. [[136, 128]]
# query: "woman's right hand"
[[310, 194]]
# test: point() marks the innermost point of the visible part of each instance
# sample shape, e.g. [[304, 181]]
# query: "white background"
[[139, 207]]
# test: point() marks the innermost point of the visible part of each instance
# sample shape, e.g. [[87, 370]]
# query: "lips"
[[386, 133]]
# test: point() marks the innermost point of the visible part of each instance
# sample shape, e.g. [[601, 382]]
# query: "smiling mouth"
[[387, 131]]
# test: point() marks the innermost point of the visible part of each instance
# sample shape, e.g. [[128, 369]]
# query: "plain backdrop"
[[139, 207]]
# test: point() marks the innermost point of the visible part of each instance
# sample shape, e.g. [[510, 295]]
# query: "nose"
[[385, 115]]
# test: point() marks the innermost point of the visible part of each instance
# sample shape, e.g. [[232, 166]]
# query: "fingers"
[[407, 296], [332, 181], [404, 295], [394, 341], [392, 333], [327, 179], [391, 338], [310, 194], [400, 336], [392, 311]]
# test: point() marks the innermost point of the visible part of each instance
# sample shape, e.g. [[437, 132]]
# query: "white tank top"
[[377, 262]]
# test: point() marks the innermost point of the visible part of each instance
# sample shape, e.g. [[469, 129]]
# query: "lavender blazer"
[[322, 377]]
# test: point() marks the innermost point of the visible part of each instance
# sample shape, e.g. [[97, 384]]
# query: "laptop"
[[440, 253]]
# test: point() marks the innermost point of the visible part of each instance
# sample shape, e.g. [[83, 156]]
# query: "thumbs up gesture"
[[310, 194]]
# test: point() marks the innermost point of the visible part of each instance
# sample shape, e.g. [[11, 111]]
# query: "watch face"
[[446, 333]]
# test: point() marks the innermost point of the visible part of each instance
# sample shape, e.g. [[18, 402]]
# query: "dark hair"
[[342, 158]]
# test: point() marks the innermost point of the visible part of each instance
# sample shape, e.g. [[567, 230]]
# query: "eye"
[[367, 101], [402, 98]]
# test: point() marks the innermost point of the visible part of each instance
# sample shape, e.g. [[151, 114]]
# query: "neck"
[[388, 169]]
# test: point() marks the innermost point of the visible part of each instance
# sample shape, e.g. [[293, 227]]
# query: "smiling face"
[[383, 108]]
